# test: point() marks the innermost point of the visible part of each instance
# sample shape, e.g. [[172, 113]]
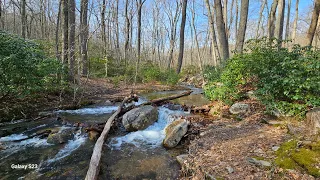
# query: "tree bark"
[[127, 31], [84, 36], [272, 18], [139, 7], [161, 100], [58, 55], [65, 35], [72, 35], [295, 23], [214, 46], [288, 21], [242, 26], [1, 16], [23, 19], [224, 46], [280, 20], [314, 21], [182, 27]]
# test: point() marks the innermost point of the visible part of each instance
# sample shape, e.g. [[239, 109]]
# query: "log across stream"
[[125, 155]]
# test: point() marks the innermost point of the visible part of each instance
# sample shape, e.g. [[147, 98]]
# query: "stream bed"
[[135, 155]]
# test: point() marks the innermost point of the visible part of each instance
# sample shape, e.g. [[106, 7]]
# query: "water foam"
[[151, 136], [71, 146], [93, 111]]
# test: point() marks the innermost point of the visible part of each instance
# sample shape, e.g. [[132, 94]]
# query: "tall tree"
[[1, 16], [314, 21], [58, 55], [295, 23], [272, 18], [72, 34], [173, 18], [139, 7], [288, 20], [224, 45], [280, 20], [182, 27], [263, 4], [127, 30], [242, 25], [65, 35], [23, 19], [214, 46], [84, 32]]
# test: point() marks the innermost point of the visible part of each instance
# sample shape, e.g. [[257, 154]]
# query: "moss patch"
[[289, 156]]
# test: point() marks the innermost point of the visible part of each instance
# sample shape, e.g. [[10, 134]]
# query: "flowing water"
[[135, 155]]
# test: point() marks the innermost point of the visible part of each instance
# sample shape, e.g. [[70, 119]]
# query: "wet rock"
[[2, 147], [140, 118], [108, 103], [313, 121], [174, 132], [239, 108], [181, 159], [259, 162], [60, 137], [93, 135], [43, 114]]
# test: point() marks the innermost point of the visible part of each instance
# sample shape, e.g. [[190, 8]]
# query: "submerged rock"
[[93, 135], [174, 132], [60, 137], [140, 118], [313, 121], [239, 108]]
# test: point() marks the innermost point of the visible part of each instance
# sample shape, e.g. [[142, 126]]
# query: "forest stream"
[[134, 155]]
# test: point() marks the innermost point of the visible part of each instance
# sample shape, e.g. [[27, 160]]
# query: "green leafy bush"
[[287, 80], [24, 68]]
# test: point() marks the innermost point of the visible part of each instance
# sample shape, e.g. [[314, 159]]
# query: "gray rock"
[[275, 148], [259, 162], [251, 95], [239, 108], [313, 121], [140, 118], [60, 137], [174, 132], [181, 159]]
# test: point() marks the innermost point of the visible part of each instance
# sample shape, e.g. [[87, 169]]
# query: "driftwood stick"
[[94, 166], [160, 100]]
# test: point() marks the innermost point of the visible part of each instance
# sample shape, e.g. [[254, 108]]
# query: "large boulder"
[[313, 121], [174, 132], [60, 137], [140, 118], [239, 108]]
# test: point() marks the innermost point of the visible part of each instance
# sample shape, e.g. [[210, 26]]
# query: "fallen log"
[[197, 109], [161, 100], [94, 166]]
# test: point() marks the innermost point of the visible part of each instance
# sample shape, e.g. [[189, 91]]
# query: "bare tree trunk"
[[237, 19], [58, 55], [23, 19], [215, 50], [288, 21], [280, 20], [173, 32], [242, 26], [1, 16], [260, 17], [231, 19], [84, 36], [65, 45], [193, 14], [139, 7], [314, 21], [224, 46], [182, 27], [117, 31], [272, 18], [72, 26], [127, 31], [225, 14], [295, 23]]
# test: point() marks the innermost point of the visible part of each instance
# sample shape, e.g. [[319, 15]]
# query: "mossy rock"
[[289, 156]]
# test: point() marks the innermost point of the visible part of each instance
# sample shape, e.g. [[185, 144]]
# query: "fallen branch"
[[160, 100], [94, 166]]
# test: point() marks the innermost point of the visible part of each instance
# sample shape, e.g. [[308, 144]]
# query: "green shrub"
[[24, 68], [287, 80]]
